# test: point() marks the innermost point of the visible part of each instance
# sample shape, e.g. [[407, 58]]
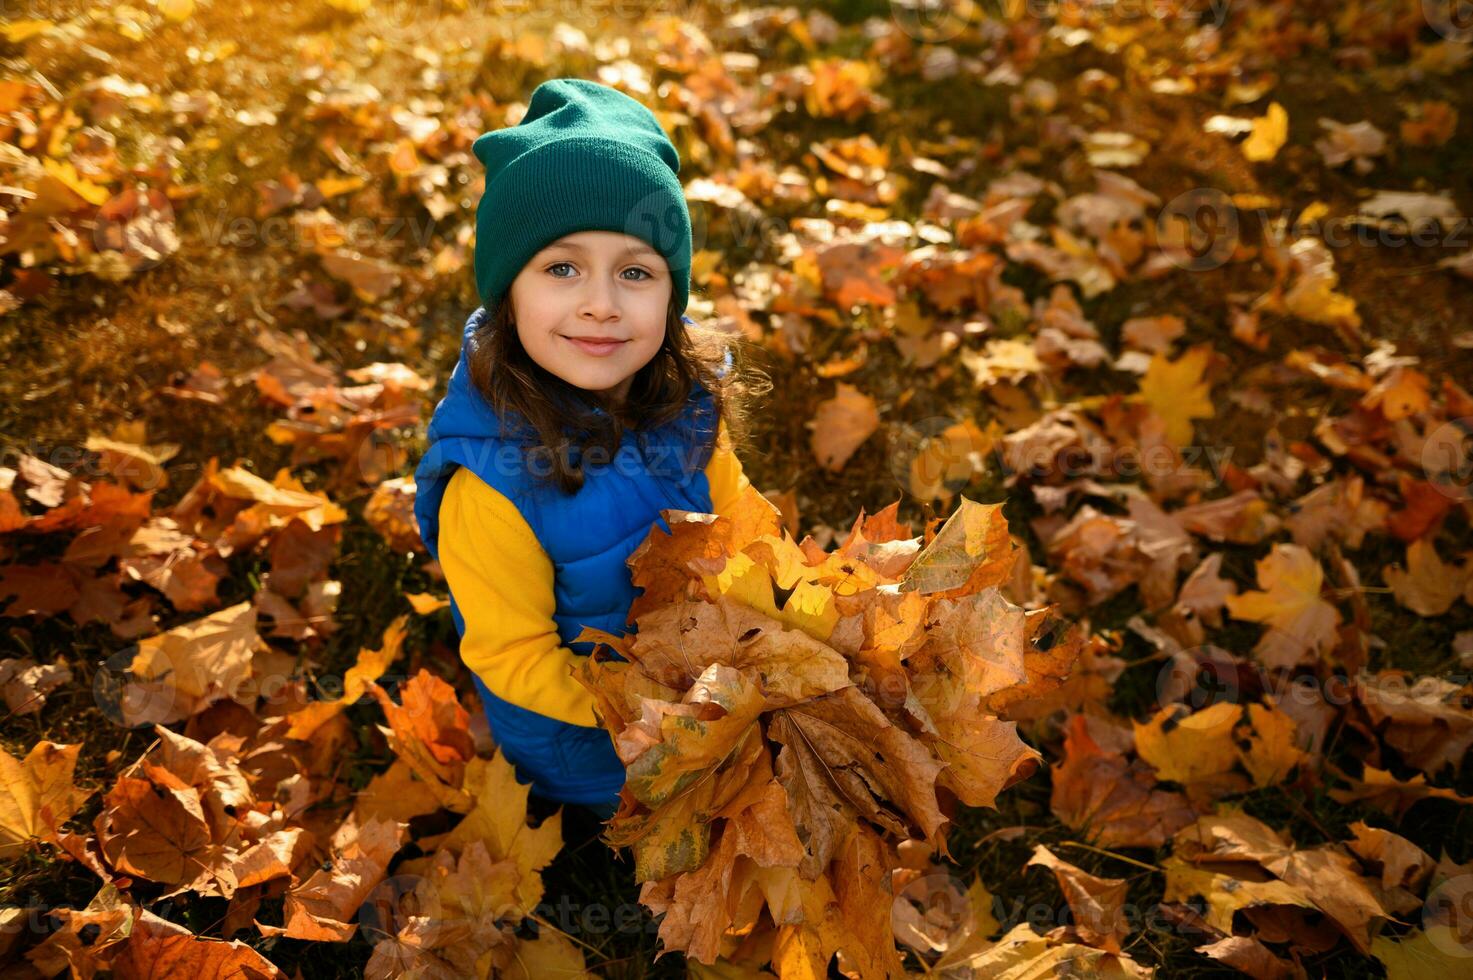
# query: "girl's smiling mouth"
[[598, 348]]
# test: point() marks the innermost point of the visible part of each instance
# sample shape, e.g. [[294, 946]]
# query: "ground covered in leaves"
[[1119, 443]]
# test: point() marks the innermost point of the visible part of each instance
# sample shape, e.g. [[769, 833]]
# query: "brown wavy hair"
[[562, 414]]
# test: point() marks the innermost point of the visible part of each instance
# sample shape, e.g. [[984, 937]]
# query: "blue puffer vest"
[[588, 536]]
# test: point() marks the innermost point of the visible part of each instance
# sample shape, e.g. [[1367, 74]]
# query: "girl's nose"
[[600, 300]]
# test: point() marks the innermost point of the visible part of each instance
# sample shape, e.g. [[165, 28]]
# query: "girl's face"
[[593, 286]]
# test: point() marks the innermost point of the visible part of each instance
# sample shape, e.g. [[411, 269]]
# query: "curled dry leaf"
[[1097, 903], [428, 730], [1384, 791], [114, 935], [1247, 955], [24, 683], [1267, 869], [1425, 719], [321, 907]]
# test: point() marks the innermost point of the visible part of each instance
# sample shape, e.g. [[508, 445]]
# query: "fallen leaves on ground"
[[1186, 299]]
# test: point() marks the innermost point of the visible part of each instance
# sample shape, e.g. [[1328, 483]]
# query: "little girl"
[[581, 406]]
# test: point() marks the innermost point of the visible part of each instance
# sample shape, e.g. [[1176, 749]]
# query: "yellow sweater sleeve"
[[502, 580]]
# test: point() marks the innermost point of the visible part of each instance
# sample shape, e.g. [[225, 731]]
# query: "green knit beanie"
[[585, 157]]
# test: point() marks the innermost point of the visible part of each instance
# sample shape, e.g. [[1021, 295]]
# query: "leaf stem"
[[1110, 854]]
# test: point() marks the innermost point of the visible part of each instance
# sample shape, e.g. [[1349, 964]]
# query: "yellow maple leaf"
[[65, 174], [760, 577], [1300, 623], [499, 821], [1427, 585], [689, 745], [36, 795], [1177, 393], [1269, 754], [1226, 894], [1192, 748], [1313, 297]]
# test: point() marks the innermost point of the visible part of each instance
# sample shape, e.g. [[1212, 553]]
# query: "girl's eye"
[[634, 268]]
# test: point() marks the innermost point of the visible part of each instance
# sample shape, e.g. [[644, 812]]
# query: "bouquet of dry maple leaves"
[[792, 719]]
